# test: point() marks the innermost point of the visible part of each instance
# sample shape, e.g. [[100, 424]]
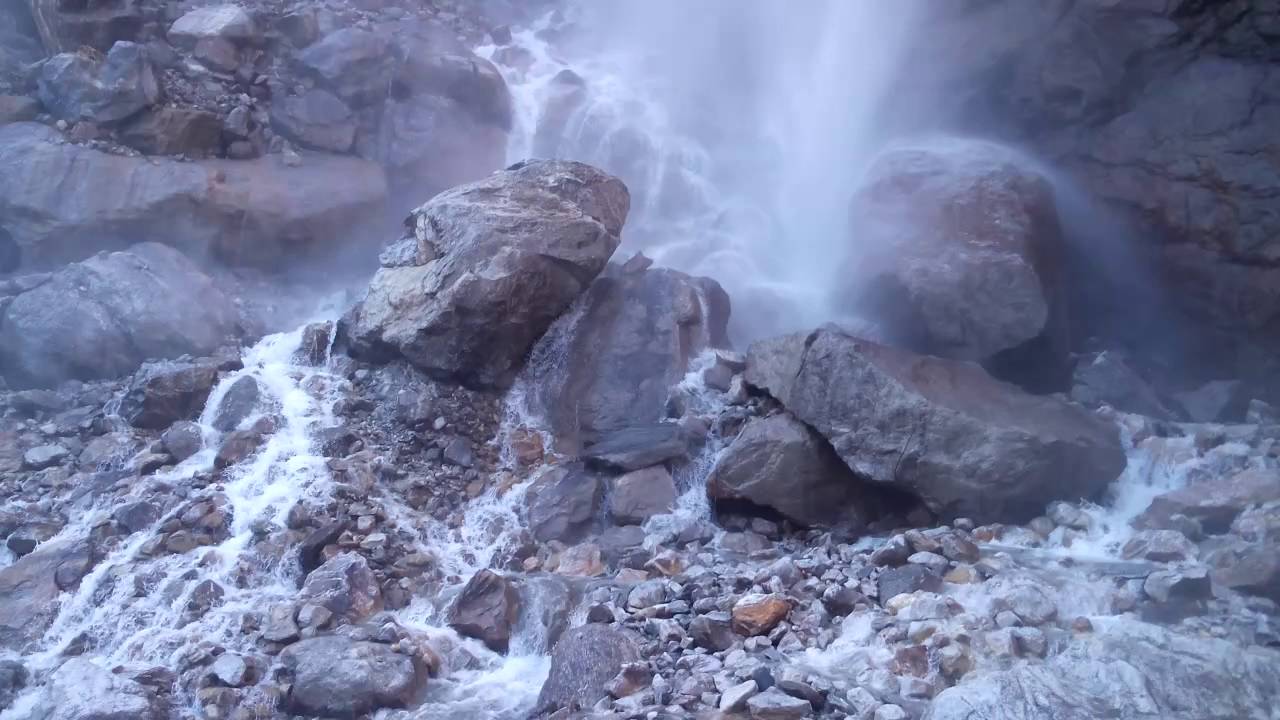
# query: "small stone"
[[959, 548], [713, 631], [1007, 618], [280, 626], [1030, 641], [230, 670], [736, 697], [1041, 526], [458, 452], [647, 594], [1187, 584], [1082, 625], [954, 660], [962, 575], [890, 712], [934, 562], [1032, 604], [315, 616], [633, 678], [757, 614], [894, 552], [44, 456]]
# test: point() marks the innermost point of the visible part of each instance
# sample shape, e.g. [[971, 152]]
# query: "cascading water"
[[739, 128]]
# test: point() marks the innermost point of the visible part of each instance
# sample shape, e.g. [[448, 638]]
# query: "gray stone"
[[773, 704], [779, 463], [944, 431], [43, 456], [336, 677], [906, 579], [346, 586], [582, 663], [499, 260], [81, 690], [713, 631], [735, 698], [647, 594], [562, 503], [135, 516], [486, 609], [1215, 502], [174, 131], [316, 119], [75, 87], [103, 317], [225, 22], [183, 439], [166, 392], [355, 64], [1033, 605], [279, 625], [32, 585], [18, 108], [13, 677], [641, 494], [638, 447], [238, 403], [230, 670], [1160, 546]]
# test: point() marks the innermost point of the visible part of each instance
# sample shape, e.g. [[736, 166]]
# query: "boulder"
[[230, 23], [965, 444], [344, 585], [957, 251], [316, 119], [779, 463], [641, 494], [32, 585], [637, 447], [13, 677], [1106, 379], [1214, 503], [1252, 568], [906, 579], [103, 317], [336, 677], [164, 393], [76, 87], [632, 342], [582, 663], [357, 65], [174, 131], [491, 266], [436, 63], [81, 690], [237, 404], [487, 610], [258, 212], [1124, 669], [562, 503]]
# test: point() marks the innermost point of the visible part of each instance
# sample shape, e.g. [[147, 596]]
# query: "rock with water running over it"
[[75, 86], [583, 663], [32, 585], [240, 400], [1214, 502], [944, 431], [958, 252], [336, 677], [486, 609], [81, 690], [346, 586], [779, 463], [492, 265], [1124, 669], [103, 317]]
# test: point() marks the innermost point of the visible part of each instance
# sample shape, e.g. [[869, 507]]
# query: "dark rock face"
[[779, 463], [489, 266], [1126, 670], [634, 339], [337, 677], [956, 251], [944, 431], [105, 316], [74, 87], [245, 212], [562, 503], [487, 609], [582, 663]]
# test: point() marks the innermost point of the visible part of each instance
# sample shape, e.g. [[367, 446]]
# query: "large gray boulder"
[[336, 677], [32, 585], [75, 87], [956, 250], [103, 317], [582, 663], [562, 503], [632, 341], [780, 463], [944, 431], [1125, 670], [487, 268], [61, 202]]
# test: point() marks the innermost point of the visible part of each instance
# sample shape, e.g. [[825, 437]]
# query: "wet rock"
[[76, 87], [735, 698], [1106, 379], [355, 64], [458, 451], [757, 614], [641, 494], [280, 626], [514, 250], [135, 516], [311, 549], [316, 119], [230, 670], [1125, 669], [906, 579], [1220, 401], [43, 456], [779, 463], [582, 560], [164, 393], [183, 439], [238, 446], [13, 677], [946, 432], [239, 402], [31, 587], [336, 677], [174, 131], [346, 586], [633, 678], [713, 631], [105, 316], [1160, 546], [314, 348], [959, 251], [1215, 502], [634, 340], [487, 610], [81, 690], [1031, 604], [637, 447], [583, 662], [562, 503], [773, 704]]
